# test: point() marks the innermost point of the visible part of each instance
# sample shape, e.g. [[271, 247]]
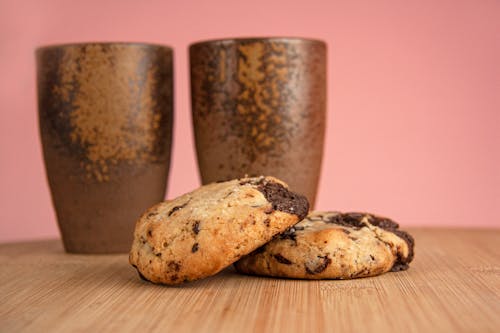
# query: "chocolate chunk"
[[195, 247], [319, 267], [196, 227], [289, 234], [284, 200], [402, 263], [353, 220], [176, 208], [391, 226], [399, 266], [281, 259], [382, 222]]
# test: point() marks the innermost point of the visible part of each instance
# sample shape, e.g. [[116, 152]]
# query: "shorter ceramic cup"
[[259, 108], [105, 116]]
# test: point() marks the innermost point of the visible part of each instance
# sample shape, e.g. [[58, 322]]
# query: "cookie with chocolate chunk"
[[200, 233], [333, 245]]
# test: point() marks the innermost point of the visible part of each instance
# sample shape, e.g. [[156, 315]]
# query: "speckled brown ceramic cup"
[[105, 113], [259, 108]]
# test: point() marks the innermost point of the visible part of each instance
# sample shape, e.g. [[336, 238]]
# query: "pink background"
[[414, 98]]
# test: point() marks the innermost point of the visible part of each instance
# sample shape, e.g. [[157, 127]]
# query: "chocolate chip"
[[382, 222], [390, 226], [401, 263], [399, 266], [158, 254], [281, 259], [267, 222], [410, 241], [150, 233], [195, 247], [289, 234], [196, 227], [354, 220], [318, 268], [176, 208]]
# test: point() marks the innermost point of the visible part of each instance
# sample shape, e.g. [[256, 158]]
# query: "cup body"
[[259, 108], [105, 119]]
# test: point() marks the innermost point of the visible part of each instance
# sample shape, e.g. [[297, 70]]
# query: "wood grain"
[[452, 286]]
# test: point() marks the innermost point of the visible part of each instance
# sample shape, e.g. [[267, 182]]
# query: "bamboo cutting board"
[[452, 286]]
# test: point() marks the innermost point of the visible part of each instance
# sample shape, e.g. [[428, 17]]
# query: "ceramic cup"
[[259, 108], [105, 116]]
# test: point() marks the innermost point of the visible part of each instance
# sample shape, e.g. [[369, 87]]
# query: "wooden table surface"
[[452, 286]]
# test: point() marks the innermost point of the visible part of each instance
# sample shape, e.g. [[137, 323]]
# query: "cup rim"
[[80, 44], [256, 39]]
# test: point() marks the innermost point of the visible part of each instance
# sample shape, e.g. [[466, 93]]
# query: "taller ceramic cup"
[[259, 108], [105, 113]]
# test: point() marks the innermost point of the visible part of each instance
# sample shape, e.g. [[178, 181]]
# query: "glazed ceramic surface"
[[259, 108], [105, 114]]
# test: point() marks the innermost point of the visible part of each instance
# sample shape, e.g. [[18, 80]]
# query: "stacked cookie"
[[264, 228]]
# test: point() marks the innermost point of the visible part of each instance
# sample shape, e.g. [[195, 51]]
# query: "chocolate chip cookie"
[[333, 245], [200, 233]]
